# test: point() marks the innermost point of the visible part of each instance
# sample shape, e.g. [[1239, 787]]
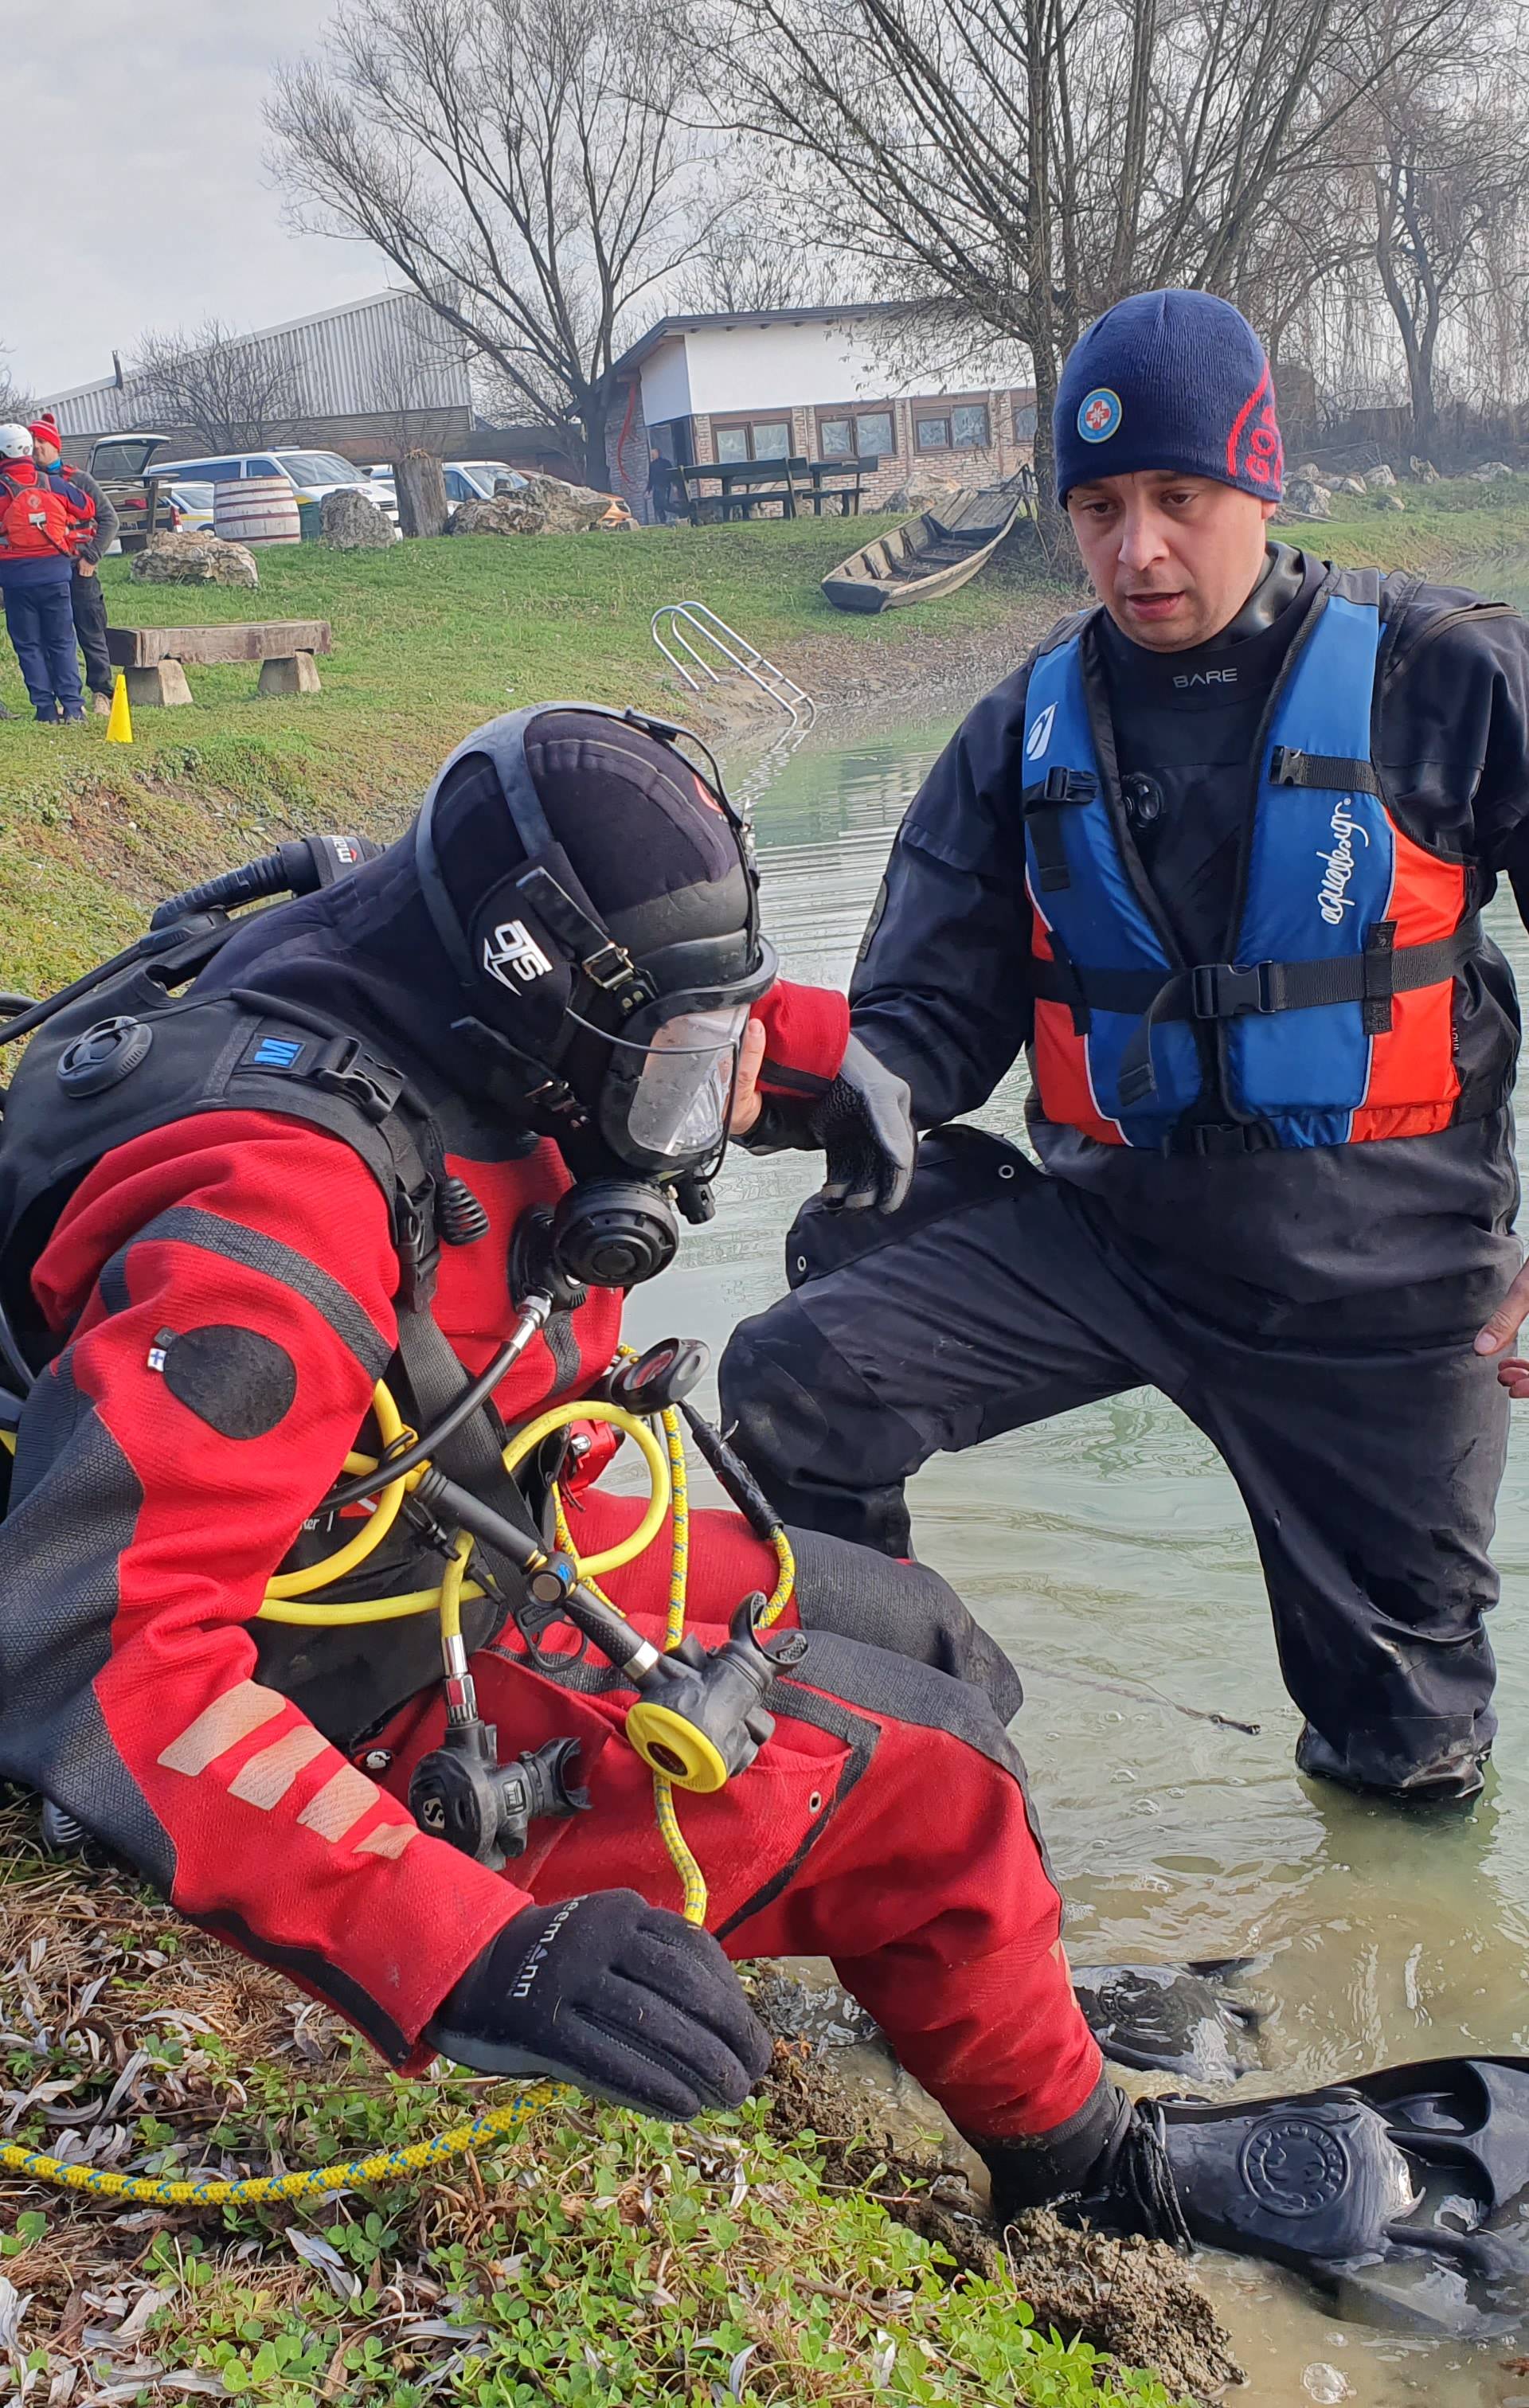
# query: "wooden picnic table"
[[745, 485]]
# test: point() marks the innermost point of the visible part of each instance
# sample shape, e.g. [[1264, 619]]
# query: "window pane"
[[874, 433], [1024, 421], [772, 442], [934, 434], [969, 428], [258, 465], [834, 435], [732, 442], [317, 469]]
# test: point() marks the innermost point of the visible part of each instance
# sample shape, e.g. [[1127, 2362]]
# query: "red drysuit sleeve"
[[229, 1281], [806, 1031]]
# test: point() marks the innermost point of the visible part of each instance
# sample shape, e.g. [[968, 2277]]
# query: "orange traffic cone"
[[120, 725]]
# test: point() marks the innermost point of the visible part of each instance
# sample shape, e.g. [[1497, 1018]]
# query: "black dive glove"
[[624, 1999], [864, 1122]]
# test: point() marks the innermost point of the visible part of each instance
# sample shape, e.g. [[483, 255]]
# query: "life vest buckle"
[[1221, 991], [344, 1068]]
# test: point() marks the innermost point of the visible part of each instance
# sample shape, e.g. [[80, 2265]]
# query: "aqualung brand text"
[[543, 1949], [1332, 897]]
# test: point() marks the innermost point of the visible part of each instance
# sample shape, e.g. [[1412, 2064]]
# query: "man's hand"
[[1497, 1335], [747, 1099], [85, 567], [622, 1997]]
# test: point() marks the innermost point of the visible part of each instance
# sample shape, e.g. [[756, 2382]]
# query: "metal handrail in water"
[[686, 619]]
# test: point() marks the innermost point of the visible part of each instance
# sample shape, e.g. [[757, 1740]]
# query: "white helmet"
[[16, 443]]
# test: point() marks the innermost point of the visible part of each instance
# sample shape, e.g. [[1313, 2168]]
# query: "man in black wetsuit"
[[1215, 855]]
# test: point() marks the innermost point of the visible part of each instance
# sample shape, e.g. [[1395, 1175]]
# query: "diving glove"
[[863, 1124], [624, 1999]]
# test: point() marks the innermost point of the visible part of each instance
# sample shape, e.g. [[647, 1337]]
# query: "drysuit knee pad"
[[958, 1166]]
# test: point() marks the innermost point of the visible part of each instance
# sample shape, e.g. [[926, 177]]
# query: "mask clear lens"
[[678, 1108]]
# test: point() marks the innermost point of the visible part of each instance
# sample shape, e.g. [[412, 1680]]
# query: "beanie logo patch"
[[1099, 414], [1254, 454]]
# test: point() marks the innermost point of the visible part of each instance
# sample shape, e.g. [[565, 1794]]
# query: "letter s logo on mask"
[[513, 956], [1041, 735]]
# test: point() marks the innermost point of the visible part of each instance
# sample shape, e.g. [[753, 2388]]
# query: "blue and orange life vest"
[[1331, 1021]]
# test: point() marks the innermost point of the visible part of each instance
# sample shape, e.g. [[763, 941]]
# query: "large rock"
[[1423, 471], [1310, 473], [506, 514], [1379, 476], [1394, 502], [1489, 471], [1304, 499], [350, 521], [542, 506], [194, 560], [921, 492], [1350, 485]]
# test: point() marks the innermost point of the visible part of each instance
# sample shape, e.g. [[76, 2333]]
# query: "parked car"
[[194, 504], [466, 481], [310, 474], [119, 464]]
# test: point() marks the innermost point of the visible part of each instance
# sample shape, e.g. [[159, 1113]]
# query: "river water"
[[1110, 1547]]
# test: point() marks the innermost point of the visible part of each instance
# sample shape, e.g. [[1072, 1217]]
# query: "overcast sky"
[[135, 192]]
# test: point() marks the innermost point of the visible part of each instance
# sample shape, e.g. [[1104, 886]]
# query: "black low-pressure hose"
[[476, 1392], [610, 1631]]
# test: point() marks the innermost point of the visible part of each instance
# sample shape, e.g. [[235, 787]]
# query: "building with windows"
[[819, 384]]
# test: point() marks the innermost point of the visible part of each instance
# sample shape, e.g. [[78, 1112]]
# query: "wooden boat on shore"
[[930, 555]]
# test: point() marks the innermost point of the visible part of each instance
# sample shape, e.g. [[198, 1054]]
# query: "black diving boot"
[[1456, 1778], [1402, 2195]]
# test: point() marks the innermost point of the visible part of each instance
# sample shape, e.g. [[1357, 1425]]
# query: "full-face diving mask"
[[627, 1058]]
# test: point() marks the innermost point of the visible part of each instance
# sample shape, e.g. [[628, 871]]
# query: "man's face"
[[44, 453], [1172, 558]]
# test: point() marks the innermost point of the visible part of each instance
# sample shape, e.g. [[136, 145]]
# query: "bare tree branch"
[[522, 165], [238, 392]]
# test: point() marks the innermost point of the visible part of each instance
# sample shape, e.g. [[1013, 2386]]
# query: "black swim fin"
[[1185, 2019], [1405, 2194]]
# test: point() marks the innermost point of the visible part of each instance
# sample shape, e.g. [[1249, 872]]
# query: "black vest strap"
[[1218, 991], [1328, 770], [1043, 806]]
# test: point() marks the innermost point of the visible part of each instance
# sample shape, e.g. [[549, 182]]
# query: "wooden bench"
[[154, 657]]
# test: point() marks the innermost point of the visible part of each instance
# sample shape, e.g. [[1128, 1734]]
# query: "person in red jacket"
[[44, 521], [519, 1028]]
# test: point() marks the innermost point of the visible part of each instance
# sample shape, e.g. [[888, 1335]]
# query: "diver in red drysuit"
[[210, 1308]]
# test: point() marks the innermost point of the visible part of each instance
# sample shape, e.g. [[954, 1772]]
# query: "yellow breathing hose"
[[283, 1604]]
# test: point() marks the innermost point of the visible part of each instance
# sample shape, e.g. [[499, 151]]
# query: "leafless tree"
[[238, 391], [1028, 162], [520, 161], [15, 402], [755, 258], [1447, 194]]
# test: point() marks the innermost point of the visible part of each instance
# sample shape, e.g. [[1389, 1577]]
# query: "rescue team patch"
[[240, 1383], [1099, 414]]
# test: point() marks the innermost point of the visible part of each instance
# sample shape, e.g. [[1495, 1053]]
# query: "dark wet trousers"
[[40, 625], [1369, 1470], [89, 605]]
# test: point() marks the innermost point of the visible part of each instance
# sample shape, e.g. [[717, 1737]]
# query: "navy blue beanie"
[[1175, 381]]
